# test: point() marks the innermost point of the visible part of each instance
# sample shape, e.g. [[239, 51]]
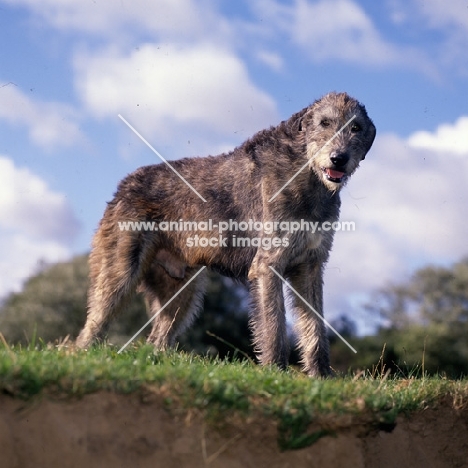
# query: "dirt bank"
[[109, 430]]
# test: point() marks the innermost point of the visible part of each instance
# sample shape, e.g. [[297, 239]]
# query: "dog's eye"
[[325, 123], [355, 128]]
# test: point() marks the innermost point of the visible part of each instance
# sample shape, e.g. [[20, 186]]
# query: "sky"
[[200, 77]]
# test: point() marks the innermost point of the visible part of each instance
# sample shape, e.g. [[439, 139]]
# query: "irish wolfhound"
[[260, 181]]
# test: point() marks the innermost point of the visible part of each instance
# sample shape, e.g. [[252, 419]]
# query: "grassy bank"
[[218, 387]]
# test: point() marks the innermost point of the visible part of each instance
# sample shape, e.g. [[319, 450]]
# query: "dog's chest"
[[313, 240], [305, 245], [306, 240]]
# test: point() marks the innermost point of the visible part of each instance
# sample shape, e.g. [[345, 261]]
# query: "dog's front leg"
[[307, 280], [268, 318]]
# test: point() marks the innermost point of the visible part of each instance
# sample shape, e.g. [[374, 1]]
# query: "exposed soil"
[[111, 430]]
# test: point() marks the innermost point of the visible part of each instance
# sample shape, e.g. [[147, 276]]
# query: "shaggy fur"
[[236, 186]]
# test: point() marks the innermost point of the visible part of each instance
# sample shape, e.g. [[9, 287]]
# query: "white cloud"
[[337, 30], [162, 89], [437, 14], [271, 59], [451, 138], [36, 224], [176, 19], [27, 204], [449, 20], [20, 257], [408, 206], [49, 124], [324, 29], [441, 13]]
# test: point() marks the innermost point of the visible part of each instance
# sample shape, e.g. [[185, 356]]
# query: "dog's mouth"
[[333, 175]]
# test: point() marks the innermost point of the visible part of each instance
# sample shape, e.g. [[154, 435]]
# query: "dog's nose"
[[339, 159]]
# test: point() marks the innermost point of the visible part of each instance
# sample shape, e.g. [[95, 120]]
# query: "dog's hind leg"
[[168, 279], [117, 262]]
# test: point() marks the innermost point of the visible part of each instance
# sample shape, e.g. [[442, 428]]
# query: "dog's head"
[[338, 135]]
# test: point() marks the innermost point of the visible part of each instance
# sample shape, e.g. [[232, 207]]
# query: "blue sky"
[[198, 78]]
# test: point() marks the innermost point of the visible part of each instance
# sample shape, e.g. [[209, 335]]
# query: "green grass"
[[219, 387]]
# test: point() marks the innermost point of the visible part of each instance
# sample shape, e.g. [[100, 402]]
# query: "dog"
[[282, 176]]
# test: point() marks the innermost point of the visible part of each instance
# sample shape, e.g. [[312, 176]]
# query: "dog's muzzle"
[[339, 160]]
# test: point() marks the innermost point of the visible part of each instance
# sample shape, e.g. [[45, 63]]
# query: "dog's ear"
[[300, 122], [300, 125], [297, 124]]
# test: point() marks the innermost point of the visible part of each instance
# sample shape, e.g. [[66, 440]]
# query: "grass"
[[219, 387]]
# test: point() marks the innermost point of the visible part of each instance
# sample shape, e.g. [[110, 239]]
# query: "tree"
[[49, 306], [426, 319], [433, 295]]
